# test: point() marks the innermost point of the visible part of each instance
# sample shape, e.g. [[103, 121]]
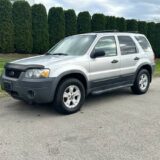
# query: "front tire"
[[70, 96], [142, 82]]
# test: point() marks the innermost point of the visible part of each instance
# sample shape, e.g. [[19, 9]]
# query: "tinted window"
[[144, 43], [127, 45], [108, 45]]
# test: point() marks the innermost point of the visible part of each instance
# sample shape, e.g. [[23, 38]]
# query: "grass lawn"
[[157, 72], [4, 58]]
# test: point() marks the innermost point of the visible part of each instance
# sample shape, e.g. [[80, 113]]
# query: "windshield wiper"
[[47, 53], [59, 54]]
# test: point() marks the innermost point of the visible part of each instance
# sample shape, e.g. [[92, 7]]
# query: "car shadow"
[[47, 109]]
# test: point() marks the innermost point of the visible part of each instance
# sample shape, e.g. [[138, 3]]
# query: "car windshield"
[[74, 45]]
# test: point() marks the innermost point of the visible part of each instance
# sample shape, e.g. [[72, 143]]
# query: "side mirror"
[[97, 53]]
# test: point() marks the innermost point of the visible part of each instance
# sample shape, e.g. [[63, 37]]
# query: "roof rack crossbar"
[[103, 31], [106, 31]]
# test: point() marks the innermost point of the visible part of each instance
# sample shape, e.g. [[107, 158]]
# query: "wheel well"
[[149, 69], [78, 76]]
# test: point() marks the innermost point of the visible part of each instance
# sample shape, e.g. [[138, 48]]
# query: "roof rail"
[[104, 31], [132, 31]]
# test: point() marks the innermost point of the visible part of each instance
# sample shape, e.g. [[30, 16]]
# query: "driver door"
[[105, 71]]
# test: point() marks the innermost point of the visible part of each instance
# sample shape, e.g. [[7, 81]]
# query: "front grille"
[[13, 73]]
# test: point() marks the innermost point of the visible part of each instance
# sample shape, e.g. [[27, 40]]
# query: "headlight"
[[37, 73]]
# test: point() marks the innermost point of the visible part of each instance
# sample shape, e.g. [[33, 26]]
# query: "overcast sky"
[[137, 9]]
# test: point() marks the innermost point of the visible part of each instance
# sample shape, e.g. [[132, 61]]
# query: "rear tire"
[[142, 82], [70, 96]]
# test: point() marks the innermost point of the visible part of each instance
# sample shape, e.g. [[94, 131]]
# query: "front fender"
[[62, 74]]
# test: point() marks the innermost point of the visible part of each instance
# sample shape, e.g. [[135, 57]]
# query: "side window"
[[144, 43], [108, 45], [127, 45]]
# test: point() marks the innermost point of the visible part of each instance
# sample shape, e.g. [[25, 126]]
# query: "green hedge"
[[121, 24], [35, 32], [111, 23], [157, 39], [142, 27], [84, 22], [39, 29], [22, 20], [6, 27], [56, 22], [70, 22], [98, 22], [132, 25], [151, 34]]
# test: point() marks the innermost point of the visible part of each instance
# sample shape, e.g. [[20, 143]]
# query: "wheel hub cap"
[[143, 82], [71, 96]]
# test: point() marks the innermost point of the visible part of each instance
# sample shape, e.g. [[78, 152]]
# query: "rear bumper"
[[30, 90]]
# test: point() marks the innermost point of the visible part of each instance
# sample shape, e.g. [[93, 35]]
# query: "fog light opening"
[[14, 94], [31, 94]]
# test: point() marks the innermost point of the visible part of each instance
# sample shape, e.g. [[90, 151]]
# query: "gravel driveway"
[[113, 126]]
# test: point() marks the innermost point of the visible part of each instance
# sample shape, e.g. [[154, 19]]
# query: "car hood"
[[44, 60]]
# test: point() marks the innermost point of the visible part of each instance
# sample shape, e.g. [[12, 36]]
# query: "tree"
[[39, 29], [132, 25], [22, 20], [98, 22], [110, 23], [70, 22], [157, 39], [151, 33], [142, 27], [121, 24], [84, 22], [56, 22], [6, 27]]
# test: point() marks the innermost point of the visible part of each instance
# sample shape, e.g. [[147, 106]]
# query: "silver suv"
[[79, 65]]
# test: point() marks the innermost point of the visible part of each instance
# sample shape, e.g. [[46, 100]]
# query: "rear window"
[[144, 43]]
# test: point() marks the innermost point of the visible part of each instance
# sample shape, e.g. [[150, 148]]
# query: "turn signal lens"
[[45, 73]]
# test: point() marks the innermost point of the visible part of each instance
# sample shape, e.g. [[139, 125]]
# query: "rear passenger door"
[[129, 56]]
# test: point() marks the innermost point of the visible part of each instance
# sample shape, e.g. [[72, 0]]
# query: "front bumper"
[[30, 90]]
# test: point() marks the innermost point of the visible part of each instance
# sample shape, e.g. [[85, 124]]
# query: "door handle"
[[114, 61], [136, 58]]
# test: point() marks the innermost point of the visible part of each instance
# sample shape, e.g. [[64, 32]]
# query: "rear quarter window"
[[144, 43]]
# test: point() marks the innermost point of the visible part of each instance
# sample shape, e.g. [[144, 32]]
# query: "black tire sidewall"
[[59, 99]]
